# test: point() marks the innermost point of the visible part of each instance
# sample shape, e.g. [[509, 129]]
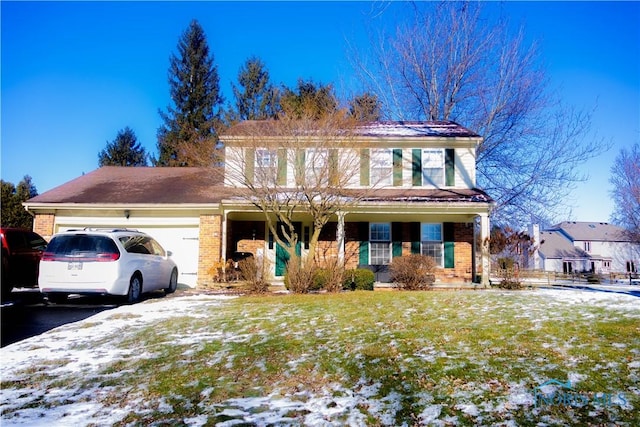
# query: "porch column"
[[340, 237], [484, 244], [223, 227]]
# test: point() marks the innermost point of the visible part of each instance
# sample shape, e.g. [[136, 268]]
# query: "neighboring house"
[[425, 201], [596, 247]]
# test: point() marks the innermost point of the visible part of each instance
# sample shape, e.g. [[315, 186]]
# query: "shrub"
[[330, 276], [413, 272], [250, 270], [299, 277], [508, 274], [320, 279], [358, 279]]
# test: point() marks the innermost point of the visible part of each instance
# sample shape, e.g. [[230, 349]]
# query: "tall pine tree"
[[188, 136], [256, 98], [125, 150]]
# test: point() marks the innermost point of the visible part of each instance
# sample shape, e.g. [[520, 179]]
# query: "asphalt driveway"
[[27, 314]]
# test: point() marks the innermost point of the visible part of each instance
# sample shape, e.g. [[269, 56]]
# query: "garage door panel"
[[183, 244]]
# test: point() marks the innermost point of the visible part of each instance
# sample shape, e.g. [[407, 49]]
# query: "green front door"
[[282, 255]]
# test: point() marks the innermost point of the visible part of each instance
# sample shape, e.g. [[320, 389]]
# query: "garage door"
[[183, 244]]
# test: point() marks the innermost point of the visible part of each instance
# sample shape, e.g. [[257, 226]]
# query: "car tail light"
[[107, 257], [100, 257], [48, 256]]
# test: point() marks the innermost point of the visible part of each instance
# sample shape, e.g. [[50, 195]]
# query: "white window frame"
[[381, 166], [433, 173], [379, 243], [431, 241], [266, 158], [265, 166], [317, 160]]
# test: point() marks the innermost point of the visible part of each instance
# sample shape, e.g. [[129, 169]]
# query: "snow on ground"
[[84, 346]]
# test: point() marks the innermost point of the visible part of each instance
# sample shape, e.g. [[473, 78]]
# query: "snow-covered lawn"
[[364, 358]]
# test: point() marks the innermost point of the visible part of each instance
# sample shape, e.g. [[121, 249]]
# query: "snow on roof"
[[415, 129]]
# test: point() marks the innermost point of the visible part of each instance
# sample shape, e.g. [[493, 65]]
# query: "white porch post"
[[223, 246], [484, 244], [340, 237]]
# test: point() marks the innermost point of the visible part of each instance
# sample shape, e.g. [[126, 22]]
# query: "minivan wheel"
[[135, 289], [173, 282]]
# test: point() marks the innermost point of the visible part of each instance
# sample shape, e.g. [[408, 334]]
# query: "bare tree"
[[625, 179], [450, 63], [296, 166]]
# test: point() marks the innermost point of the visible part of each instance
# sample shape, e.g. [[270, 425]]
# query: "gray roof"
[[139, 185], [553, 244], [591, 231]]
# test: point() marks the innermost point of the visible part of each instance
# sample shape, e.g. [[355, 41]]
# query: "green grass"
[[399, 351]]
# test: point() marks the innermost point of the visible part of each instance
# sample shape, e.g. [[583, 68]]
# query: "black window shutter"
[[450, 167]]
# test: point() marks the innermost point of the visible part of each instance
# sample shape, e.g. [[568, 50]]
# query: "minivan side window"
[[157, 249], [137, 244]]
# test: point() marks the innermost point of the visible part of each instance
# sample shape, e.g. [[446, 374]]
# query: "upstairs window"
[[587, 246], [265, 165], [381, 166], [318, 166], [266, 159], [433, 167]]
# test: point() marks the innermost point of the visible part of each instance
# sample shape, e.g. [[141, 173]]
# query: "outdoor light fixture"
[[127, 214]]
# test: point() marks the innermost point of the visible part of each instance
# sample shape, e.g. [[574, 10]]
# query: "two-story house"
[[409, 187], [597, 247]]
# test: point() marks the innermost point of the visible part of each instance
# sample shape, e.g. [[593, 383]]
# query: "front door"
[[282, 255]]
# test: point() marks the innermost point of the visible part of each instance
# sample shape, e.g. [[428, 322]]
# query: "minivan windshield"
[[81, 247]]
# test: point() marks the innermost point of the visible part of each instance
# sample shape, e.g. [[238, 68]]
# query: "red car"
[[21, 252]]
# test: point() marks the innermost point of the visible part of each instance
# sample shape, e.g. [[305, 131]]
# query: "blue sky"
[[74, 73]]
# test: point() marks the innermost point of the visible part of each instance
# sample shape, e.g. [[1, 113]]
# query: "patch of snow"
[[430, 414]]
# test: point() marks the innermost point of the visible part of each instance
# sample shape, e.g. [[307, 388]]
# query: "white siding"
[[465, 167]]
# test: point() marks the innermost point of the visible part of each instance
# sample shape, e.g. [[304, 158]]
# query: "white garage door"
[[183, 244]]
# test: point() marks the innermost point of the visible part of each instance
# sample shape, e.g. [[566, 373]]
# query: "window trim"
[[426, 181], [435, 241], [378, 163], [380, 241]]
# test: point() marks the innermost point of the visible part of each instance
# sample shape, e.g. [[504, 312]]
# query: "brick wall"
[[43, 225], [463, 255], [210, 246], [248, 245]]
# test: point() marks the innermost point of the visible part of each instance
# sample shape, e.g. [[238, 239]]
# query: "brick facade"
[[43, 225], [249, 237], [209, 251]]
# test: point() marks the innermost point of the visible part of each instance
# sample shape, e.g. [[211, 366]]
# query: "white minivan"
[[105, 261]]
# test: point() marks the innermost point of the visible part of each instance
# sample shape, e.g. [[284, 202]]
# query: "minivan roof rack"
[[106, 229]]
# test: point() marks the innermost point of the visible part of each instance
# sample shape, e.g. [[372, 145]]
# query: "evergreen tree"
[[125, 150], [365, 108], [309, 100], [13, 213], [188, 136], [256, 98]]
